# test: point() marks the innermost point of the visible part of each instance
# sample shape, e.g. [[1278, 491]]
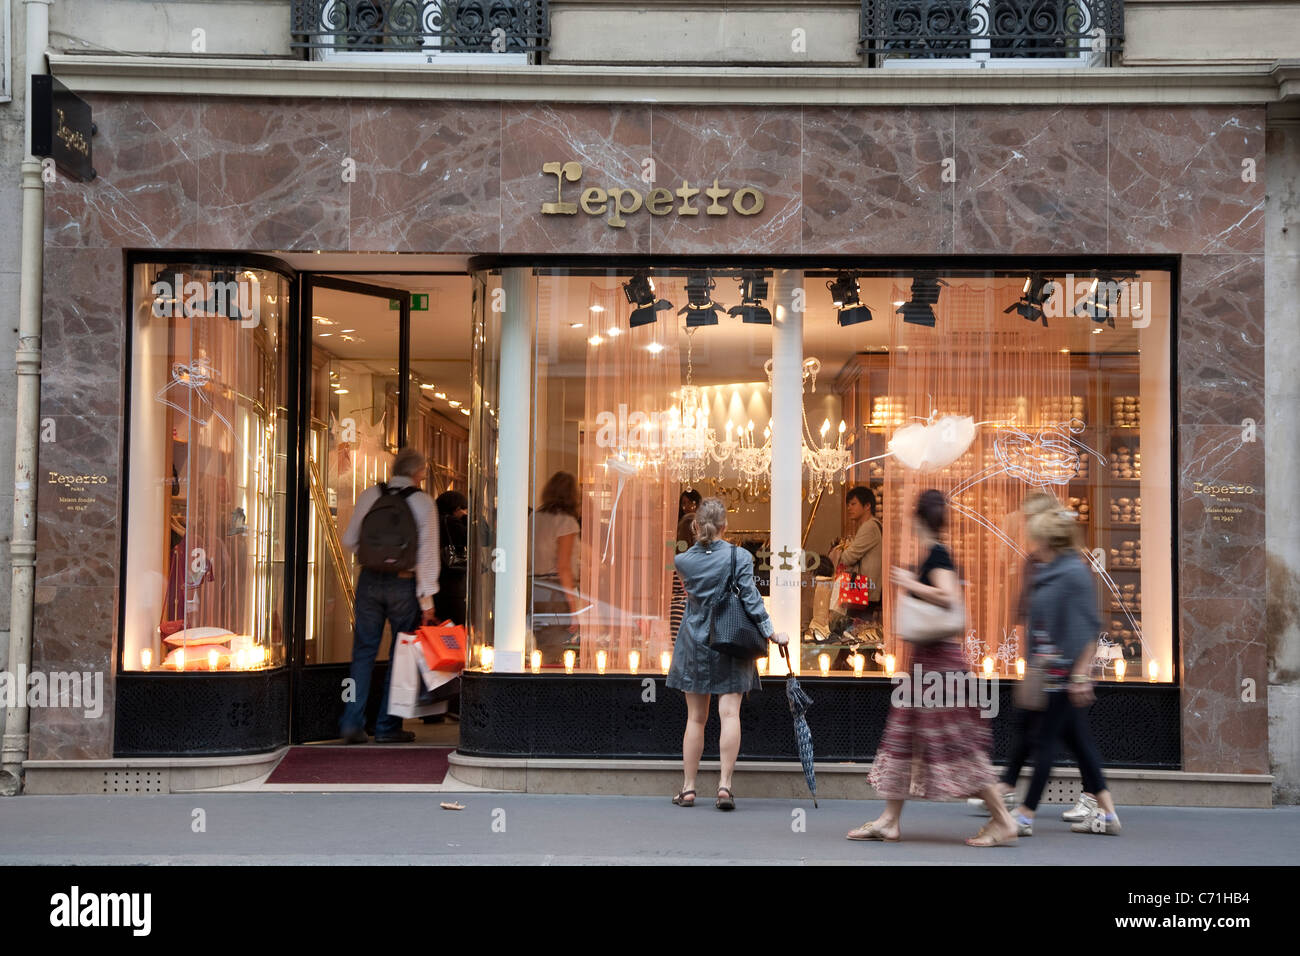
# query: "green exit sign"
[[419, 303]]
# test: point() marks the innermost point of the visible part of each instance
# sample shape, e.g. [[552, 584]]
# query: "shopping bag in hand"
[[405, 687], [851, 590], [443, 646]]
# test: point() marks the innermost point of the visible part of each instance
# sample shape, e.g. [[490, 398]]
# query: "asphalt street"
[[504, 828]]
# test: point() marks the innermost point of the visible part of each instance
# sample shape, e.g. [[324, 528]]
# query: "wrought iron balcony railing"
[[428, 27], [1083, 30]]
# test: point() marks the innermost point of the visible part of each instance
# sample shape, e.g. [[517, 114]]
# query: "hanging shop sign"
[[62, 127], [615, 203]]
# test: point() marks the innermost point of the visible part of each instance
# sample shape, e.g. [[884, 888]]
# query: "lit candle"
[[212, 660], [1020, 667], [146, 658], [180, 659], [889, 664], [633, 660], [1153, 671], [665, 661], [859, 662], [762, 665], [487, 655], [988, 667], [1120, 667], [241, 659], [536, 659], [824, 662], [568, 662], [601, 657]]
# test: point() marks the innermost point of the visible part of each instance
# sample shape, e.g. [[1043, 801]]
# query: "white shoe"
[[1008, 800], [1097, 823], [1082, 810]]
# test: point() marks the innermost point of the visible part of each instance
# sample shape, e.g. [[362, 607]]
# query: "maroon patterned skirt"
[[934, 753]]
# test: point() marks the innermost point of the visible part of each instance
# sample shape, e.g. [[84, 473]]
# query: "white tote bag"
[[920, 622], [407, 684]]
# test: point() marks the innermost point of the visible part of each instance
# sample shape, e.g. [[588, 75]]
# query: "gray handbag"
[[731, 630]]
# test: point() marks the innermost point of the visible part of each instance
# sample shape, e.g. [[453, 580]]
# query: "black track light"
[[700, 309], [753, 290], [925, 295], [640, 292], [853, 315], [848, 300], [1035, 293]]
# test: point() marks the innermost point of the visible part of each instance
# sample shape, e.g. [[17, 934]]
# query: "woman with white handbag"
[[934, 752]]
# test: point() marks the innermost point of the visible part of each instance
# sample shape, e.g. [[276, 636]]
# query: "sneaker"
[[1009, 801], [1097, 823], [1081, 810], [1024, 826]]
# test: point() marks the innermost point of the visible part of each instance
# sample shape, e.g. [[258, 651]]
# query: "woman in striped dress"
[[689, 501]]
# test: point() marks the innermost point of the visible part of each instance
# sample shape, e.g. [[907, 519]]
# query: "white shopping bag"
[[407, 685]]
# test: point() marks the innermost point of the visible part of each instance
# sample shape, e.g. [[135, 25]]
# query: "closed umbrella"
[[799, 703]]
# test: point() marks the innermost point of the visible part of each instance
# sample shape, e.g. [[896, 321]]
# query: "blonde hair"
[[1057, 529], [1037, 503], [710, 520]]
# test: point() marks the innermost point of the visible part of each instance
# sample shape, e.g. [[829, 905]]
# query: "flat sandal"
[[682, 798], [725, 803]]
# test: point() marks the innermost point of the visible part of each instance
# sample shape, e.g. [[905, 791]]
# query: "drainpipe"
[[13, 749]]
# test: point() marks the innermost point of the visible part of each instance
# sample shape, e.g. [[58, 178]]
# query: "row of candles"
[[859, 662], [245, 659]]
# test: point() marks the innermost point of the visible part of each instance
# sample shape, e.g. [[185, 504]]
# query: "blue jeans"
[[380, 597]]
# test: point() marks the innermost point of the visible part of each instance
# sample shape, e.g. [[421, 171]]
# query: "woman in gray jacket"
[[698, 670], [1063, 627]]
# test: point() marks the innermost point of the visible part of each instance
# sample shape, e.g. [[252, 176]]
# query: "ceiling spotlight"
[[575, 325], [613, 331], [753, 290], [595, 340], [1103, 298], [848, 300], [654, 348], [925, 295], [1035, 293], [640, 292], [700, 309], [597, 308]]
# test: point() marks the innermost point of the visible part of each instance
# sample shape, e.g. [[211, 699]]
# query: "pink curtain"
[[627, 551], [975, 362]]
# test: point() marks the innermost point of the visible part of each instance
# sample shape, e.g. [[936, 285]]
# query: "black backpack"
[[390, 541]]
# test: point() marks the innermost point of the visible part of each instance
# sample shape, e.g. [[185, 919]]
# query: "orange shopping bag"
[[443, 646]]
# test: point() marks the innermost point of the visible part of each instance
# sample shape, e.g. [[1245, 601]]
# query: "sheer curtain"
[[996, 368], [627, 536]]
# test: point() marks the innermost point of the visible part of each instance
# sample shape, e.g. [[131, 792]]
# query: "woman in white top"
[[554, 585]]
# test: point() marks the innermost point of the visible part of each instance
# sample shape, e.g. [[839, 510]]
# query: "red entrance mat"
[[362, 764]]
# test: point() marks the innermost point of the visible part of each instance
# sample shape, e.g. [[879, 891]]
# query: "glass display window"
[[207, 455], [987, 385]]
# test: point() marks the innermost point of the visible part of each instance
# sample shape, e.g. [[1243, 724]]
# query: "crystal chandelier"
[[689, 444]]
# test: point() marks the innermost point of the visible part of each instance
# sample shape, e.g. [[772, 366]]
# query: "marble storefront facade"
[[215, 174]]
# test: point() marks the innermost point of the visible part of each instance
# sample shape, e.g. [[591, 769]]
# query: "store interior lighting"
[[1036, 292], [925, 295], [700, 309], [753, 290], [640, 292], [848, 300]]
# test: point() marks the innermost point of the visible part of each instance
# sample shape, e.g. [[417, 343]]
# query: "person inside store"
[[697, 670], [554, 584], [394, 534], [1063, 627], [859, 552], [686, 505], [453, 530], [935, 752]]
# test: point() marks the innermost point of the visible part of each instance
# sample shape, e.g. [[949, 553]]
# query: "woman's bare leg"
[[697, 714], [729, 739]]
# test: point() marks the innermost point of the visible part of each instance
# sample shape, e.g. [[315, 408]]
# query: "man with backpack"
[[394, 534]]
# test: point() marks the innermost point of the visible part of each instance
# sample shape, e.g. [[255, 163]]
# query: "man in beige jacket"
[[862, 552]]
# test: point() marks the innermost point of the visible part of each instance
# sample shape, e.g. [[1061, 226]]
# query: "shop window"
[[207, 454], [1056, 383]]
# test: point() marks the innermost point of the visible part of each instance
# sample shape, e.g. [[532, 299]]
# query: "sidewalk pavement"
[[511, 828]]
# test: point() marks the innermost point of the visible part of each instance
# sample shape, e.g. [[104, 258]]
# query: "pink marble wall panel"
[[428, 176], [873, 181], [146, 190], [1222, 647], [737, 147], [270, 174], [1221, 340], [1177, 183], [74, 628], [1030, 181], [610, 143]]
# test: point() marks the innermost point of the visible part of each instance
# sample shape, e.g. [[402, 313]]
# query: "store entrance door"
[[365, 395]]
